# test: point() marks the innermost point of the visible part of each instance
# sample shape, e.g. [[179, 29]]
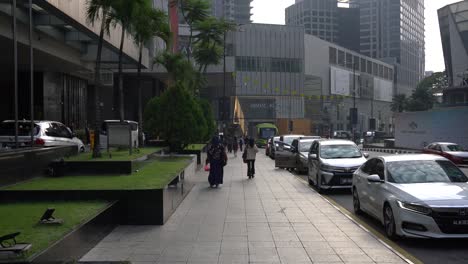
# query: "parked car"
[[418, 195], [119, 134], [341, 134], [451, 151], [301, 149], [333, 162], [283, 151], [46, 134], [272, 145]]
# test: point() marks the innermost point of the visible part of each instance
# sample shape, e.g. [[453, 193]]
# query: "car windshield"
[[423, 171], [339, 152], [452, 147], [305, 146], [24, 129], [288, 140], [267, 132]]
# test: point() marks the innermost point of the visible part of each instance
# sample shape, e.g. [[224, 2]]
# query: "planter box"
[[78, 242], [201, 155], [12, 163], [98, 167], [134, 207]]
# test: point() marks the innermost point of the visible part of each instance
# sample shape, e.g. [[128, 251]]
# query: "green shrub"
[[176, 117]]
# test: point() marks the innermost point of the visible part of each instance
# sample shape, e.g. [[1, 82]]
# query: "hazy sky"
[[272, 12]]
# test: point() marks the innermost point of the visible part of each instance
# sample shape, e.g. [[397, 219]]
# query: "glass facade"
[[393, 30]]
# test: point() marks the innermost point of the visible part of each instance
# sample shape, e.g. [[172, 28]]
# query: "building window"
[[341, 58], [332, 55]]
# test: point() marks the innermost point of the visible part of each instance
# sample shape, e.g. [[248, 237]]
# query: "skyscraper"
[[237, 11], [326, 20], [393, 31]]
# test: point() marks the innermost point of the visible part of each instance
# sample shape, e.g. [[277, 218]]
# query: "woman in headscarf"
[[217, 159], [250, 155]]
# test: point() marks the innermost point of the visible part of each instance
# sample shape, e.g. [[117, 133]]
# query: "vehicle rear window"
[[24, 129]]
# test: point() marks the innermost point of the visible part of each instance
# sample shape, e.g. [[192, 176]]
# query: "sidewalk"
[[273, 218]]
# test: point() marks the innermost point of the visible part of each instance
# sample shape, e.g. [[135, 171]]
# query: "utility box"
[[119, 134]]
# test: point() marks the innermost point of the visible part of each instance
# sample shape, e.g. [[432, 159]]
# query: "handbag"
[[244, 156], [207, 167]]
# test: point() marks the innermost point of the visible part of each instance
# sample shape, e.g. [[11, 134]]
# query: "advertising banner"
[[258, 108]]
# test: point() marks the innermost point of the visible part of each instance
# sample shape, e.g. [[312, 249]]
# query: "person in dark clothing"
[[241, 144], [235, 146], [250, 154], [229, 145], [217, 159]]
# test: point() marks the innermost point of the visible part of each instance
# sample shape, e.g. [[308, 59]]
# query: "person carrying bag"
[[249, 156]]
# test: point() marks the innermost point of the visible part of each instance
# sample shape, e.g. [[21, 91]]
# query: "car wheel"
[[82, 149], [389, 222], [356, 202]]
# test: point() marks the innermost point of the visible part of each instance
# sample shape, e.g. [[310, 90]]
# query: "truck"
[[416, 130]]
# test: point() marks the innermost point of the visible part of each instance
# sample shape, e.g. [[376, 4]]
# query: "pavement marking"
[[395, 248]]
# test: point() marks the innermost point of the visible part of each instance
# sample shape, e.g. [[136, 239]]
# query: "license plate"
[[460, 222], [346, 180]]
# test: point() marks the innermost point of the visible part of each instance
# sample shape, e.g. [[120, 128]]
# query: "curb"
[[339, 209]]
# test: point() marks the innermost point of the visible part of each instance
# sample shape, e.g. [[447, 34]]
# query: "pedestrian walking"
[[235, 146], [249, 156], [217, 159], [241, 144], [229, 144]]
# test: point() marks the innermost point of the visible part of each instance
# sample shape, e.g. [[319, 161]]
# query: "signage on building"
[[258, 108]]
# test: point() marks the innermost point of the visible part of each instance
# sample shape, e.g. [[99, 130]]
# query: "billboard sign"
[[340, 81], [258, 108]]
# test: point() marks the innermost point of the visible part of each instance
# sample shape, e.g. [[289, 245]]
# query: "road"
[[425, 250]]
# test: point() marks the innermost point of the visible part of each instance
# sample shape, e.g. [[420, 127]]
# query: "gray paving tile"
[[233, 259], [293, 255]]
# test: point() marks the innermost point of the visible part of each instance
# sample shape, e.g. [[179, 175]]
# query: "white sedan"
[[420, 196]]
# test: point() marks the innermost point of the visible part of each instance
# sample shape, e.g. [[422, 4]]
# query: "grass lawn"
[[117, 155], [23, 217], [195, 146], [156, 174]]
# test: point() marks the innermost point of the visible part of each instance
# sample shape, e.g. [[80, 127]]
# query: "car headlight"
[[416, 208]]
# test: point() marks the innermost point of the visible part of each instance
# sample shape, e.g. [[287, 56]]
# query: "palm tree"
[[194, 11], [123, 13], [399, 103], [98, 10], [149, 23]]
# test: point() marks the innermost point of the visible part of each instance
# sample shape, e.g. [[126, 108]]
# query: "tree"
[[193, 12], [399, 103], [123, 12], [176, 117], [98, 10], [209, 117], [422, 99], [147, 24]]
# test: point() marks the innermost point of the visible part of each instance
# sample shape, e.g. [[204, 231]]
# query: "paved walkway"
[[273, 218]]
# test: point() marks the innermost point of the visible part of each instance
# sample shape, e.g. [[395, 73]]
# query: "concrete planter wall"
[[134, 207], [12, 163]]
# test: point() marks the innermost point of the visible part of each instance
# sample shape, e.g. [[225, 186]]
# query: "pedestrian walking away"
[[217, 159], [241, 144], [249, 155], [235, 146]]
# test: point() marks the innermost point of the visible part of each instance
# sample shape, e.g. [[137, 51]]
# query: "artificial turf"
[[24, 217], [156, 174], [116, 155]]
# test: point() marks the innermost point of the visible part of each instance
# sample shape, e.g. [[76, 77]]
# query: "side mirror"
[[312, 156], [374, 178], [366, 155], [293, 149]]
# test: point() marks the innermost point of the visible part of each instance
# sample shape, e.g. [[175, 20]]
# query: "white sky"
[[272, 12]]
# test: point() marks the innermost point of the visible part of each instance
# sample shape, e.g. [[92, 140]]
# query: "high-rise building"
[[237, 11], [326, 20], [393, 31]]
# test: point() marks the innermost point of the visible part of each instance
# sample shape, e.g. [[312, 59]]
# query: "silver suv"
[[46, 134], [333, 162]]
